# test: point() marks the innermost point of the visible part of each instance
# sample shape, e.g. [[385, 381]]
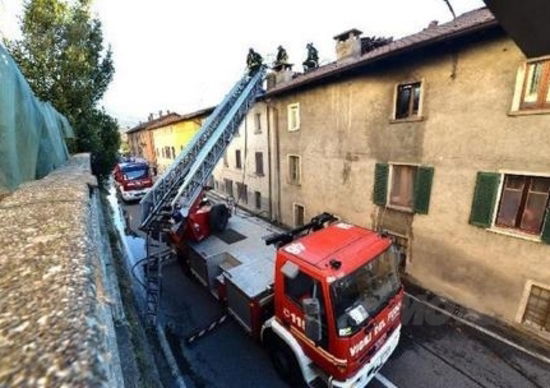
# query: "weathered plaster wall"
[[346, 128], [249, 141], [58, 300]]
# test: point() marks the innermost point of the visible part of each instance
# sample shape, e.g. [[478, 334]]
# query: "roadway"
[[435, 350]]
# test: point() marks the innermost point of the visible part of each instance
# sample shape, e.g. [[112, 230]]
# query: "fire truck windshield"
[[136, 172], [363, 293]]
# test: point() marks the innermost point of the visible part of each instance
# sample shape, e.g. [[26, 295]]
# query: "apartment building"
[[441, 139], [244, 173], [170, 136], [140, 139]]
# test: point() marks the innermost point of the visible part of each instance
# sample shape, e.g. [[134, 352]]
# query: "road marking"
[[385, 382], [506, 341]]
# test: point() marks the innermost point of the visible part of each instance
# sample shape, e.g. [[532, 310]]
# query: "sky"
[[185, 55]]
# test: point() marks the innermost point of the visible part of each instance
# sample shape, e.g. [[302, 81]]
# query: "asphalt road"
[[435, 351]]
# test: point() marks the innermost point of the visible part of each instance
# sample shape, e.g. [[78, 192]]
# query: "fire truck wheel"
[[285, 363], [219, 215]]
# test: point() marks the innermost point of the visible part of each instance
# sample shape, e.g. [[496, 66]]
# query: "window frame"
[[238, 160], [242, 192], [522, 310], [296, 205], [297, 182], [419, 116], [258, 199], [515, 232], [390, 186], [290, 108], [257, 171], [518, 108], [228, 183], [257, 123], [542, 102]]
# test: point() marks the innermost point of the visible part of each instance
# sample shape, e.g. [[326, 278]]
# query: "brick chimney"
[[348, 44]]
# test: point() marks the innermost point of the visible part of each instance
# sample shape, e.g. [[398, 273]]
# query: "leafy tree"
[[62, 55]]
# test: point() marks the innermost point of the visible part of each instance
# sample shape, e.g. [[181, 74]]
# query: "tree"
[[62, 55]]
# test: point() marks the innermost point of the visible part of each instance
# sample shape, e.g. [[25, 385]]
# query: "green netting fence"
[[32, 132]]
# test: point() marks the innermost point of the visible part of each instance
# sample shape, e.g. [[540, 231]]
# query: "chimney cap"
[[347, 34]]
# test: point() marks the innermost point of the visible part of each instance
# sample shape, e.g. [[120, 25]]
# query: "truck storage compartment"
[[239, 305]]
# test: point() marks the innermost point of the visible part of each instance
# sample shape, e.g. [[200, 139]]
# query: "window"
[[407, 102], [225, 162], [242, 192], [402, 186], [523, 203], [299, 288], [238, 161], [258, 123], [173, 152], [537, 310], [228, 187], [536, 86], [294, 173], [258, 199], [299, 215], [259, 163], [293, 117]]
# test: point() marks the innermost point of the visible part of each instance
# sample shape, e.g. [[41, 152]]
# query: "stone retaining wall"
[[57, 306]]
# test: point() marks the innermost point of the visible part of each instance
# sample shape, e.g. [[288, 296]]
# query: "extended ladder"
[[179, 187]]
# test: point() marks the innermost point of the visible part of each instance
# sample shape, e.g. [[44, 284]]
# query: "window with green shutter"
[[381, 171], [423, 189], [545, 237], [485, 195]]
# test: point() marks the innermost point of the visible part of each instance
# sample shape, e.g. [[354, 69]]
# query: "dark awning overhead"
[[527, 22]]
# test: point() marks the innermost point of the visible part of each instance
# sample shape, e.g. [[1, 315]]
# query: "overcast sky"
[[184, 55]]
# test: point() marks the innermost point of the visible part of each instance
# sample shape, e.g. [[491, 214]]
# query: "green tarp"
[[32, 132]]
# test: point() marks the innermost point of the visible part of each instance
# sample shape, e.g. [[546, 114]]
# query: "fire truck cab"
[[338, 302]]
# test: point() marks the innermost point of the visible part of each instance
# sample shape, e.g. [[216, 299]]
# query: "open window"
[[408, 101], [535, 90]]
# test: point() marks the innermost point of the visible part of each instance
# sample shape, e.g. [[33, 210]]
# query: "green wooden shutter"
[[380, 183], [423, 189], [546, 228], [485, 195]]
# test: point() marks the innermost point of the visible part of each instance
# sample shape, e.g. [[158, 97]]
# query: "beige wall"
[[249, 141], [346, 128]]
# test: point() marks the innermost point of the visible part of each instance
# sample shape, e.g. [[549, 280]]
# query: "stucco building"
[[171, 135], [244, 173], [140, 139], [440, 138]]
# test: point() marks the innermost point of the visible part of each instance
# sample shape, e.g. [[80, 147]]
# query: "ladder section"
[[179, 186], [157, 254]]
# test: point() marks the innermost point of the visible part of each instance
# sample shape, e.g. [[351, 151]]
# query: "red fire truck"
[[133, 179], [325, 298]]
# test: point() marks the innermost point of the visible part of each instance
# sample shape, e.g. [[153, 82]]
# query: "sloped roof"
[[467, 23], [148, 124]]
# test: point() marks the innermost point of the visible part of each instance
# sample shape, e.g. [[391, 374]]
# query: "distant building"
[[244, 173], [441, 139], [140, 139], [171, 135]]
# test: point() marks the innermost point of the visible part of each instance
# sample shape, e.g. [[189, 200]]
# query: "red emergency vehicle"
[[133, 179]]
